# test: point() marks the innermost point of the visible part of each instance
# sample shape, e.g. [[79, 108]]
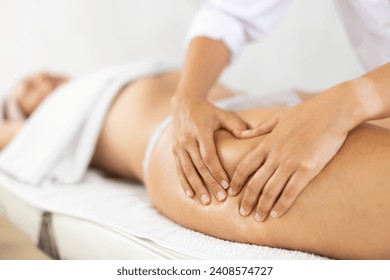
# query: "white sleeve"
[[236, 22]]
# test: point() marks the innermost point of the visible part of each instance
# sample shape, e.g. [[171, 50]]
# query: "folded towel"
[[57, 142]]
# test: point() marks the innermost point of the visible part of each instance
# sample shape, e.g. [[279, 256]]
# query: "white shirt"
[[236, 22]]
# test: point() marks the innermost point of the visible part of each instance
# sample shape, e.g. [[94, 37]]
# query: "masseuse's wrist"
[[186, 98], [343, 104], [364, 101]]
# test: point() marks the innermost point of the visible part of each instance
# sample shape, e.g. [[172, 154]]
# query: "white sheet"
[[125, 206]]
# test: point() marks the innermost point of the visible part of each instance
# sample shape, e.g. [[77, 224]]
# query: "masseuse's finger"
[[211, 160], [233, 123], [254, 187], [213, 185], [260, 129], [183, 180], [193, 178], [271, 192], [293, 189], [246, 168]]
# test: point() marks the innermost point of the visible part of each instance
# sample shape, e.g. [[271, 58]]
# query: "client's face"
[[33, 90]]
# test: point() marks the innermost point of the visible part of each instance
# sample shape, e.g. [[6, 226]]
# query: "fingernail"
[[221, 195], [204, 198], [257, 217], [274, 214], [230, 191], [242, 211], [189, 193], [246, 132], [224, 184]]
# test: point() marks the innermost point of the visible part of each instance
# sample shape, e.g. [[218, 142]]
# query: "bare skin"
[[300, 141], [31, 91], [343, 213], [124, 136]]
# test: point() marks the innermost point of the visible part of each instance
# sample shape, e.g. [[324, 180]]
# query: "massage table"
[[77, 229]]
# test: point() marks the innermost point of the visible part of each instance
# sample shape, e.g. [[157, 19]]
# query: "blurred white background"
[[308, 49]]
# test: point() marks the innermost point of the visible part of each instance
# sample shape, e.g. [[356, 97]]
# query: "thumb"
[[262, 128], [233, 123]]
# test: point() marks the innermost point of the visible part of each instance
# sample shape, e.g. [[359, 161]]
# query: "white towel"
[[57, 142], [125, 206], [9, 108]]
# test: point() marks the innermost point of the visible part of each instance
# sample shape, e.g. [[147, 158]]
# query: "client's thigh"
[[343, 213]]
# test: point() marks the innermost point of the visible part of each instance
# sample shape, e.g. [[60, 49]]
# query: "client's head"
[[30, 92]]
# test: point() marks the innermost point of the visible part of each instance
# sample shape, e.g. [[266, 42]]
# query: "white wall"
[[308, 49]]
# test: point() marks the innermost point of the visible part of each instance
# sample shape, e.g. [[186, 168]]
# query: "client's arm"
[[28, 94], [8, 130]]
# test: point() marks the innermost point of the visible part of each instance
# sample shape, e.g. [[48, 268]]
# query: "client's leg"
[[343, 213]]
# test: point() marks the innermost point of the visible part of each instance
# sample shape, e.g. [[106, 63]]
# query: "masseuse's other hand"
[[302, 140], [194, 122]]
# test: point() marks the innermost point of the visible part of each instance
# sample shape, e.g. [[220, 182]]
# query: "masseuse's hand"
[[302, 140], [194, 122]]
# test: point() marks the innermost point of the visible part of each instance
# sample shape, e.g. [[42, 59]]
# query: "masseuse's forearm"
[[370, 95], [206, 58]]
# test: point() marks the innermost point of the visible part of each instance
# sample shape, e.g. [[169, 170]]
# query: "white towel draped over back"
[[57, 142]]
